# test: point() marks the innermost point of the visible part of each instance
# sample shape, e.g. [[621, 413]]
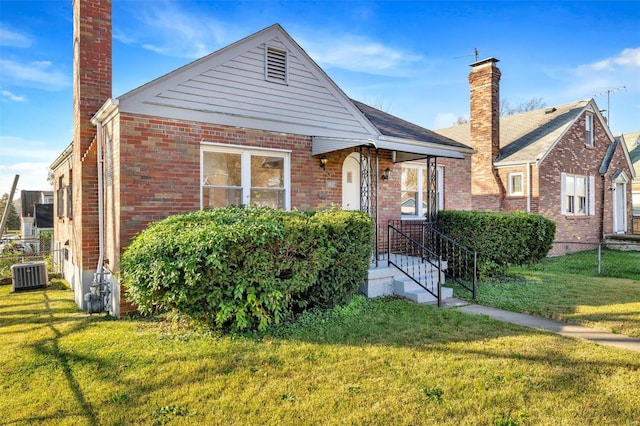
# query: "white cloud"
[[12, 96], [33, 176], [444, 120], [28, 158], [360, 54], [168, 30], [13, 39], [628, 58], [41, 74]]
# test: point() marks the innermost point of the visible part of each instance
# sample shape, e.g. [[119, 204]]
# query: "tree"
[[506, 109], [461, 120], [13, 221], [532, 105]]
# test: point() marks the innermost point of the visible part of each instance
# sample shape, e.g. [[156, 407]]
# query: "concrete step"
[[407, 288], [386, 281]]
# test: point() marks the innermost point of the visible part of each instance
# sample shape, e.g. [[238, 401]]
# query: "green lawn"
[[570, 289], [372, 362]]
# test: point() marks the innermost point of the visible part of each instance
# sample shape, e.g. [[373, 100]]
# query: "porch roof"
[[404, 150], [409, 141]]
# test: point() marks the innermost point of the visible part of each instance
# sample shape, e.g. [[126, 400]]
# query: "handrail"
[[462, 262], [414, 260], [412, 241]]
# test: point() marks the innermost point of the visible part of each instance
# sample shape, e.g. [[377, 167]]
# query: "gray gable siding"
[[234, 91]]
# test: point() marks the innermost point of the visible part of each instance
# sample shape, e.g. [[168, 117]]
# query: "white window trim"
[[510, 183], [246, 153], [422, 187], [590, 195], [588, 127]]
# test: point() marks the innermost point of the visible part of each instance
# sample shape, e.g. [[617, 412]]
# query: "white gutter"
[[466, 150], [100, 265]]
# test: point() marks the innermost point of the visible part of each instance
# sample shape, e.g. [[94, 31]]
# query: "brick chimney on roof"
[[484, 82]]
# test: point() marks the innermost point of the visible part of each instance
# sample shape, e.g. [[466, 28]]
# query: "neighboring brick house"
[[632, 141], [257, 122], [561, 162]]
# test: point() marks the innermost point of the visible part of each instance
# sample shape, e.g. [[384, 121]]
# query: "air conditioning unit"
[[27, 276]]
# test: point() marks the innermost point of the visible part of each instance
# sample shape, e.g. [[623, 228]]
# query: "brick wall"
[[572, 156], [92, 87], [152, 170], [457, 183]]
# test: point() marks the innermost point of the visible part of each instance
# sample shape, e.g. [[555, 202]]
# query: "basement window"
[[276, 65]]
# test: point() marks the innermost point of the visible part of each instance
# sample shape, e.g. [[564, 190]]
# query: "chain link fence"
[[16, 250], [596, 258]]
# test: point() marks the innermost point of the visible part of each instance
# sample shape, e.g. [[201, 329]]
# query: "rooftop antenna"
[[475, 55], [609, 92]]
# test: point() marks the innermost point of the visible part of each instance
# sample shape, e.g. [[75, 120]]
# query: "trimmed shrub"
[[500, 239], [347, 240], [243, 268]]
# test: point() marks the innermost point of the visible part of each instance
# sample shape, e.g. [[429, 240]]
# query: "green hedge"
[[247, 267], [500, 239]]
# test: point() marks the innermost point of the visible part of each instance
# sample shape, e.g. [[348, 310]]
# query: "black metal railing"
[[413, 259], [462, 263], [456, 262]]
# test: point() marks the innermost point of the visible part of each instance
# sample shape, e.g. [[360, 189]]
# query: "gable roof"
[[530, 136], [632, 141], [229, 87]]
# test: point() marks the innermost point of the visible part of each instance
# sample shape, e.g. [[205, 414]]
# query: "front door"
[[621, 209], [351, 182]]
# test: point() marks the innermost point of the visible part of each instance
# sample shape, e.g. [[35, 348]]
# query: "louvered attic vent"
[[276, 65]]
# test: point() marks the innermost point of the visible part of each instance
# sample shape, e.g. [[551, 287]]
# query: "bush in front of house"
[[242, 268], [500, 239], [346, 238]]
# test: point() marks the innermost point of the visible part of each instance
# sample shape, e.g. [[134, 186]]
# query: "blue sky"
[[409, 58]]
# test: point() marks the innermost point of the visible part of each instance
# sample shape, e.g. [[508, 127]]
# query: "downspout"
[[529, 186], [602, 208], [100, 264], [98, 299]]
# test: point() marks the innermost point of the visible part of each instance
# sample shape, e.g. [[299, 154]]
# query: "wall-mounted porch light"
[[323, 163], [386, 173]]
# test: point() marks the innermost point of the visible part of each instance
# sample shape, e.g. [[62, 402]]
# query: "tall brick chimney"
[[484, 82], [91, 88]]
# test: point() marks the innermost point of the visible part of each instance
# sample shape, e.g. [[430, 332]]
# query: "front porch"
[[624, 242], [412, 259], [385, 279]]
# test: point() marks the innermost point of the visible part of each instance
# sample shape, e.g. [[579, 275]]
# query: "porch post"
[[369, 189], [432, 189]]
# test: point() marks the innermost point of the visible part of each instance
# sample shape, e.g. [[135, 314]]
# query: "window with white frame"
[[515, 185], [240, 176], [577, 195], [414, 190], [588, 129]]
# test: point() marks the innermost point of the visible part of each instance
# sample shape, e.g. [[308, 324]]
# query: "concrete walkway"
[[561, 328]]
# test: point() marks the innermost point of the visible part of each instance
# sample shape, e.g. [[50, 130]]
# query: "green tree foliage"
[[246, 268], [500, 239], [13, 221]]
